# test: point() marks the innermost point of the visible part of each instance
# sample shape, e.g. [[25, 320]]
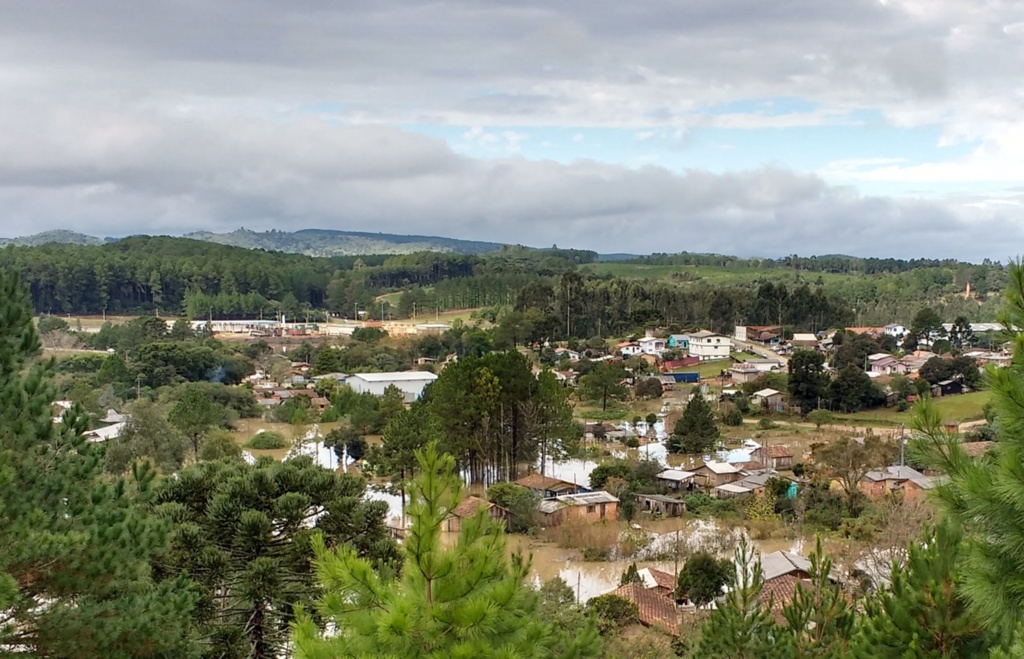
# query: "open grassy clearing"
[[965, 407], [704, 273]]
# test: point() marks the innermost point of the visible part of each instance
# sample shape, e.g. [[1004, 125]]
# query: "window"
[[591, 509]]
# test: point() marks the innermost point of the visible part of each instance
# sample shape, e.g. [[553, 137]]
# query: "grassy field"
[[711, 274], [966, 407]]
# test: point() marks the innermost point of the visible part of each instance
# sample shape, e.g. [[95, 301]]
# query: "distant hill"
[[326, 242], [57, 236]]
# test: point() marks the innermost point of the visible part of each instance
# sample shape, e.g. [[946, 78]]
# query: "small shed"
[[948, 388], [548, 487], [469, 508], [768, 398], [659, 504], [677, 479]]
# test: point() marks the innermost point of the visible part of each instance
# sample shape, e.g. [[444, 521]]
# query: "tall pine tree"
[[467, 601], [695, 431], [923, 614], [75, 546]]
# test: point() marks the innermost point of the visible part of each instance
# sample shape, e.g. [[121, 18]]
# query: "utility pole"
[[902, 445]]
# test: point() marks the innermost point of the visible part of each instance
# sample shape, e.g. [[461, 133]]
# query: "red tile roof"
[[778, 451], [779, 591], [654, 609], [663, 579], [538, 482], [469, 506]]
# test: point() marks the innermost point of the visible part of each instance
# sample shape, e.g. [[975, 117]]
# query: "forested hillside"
[[564, 292]]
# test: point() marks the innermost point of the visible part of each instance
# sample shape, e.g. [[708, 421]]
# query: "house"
[[895, 330], [742, 373], [588, 506], [113, 417], [628, 348], [337, 377], [679, 341], [659, 504], [778, 456], [804, 340], [469, 508], [708, 346], [752, 484], [548, 487], [565, 353], [662, 583], [713, 473], [677, 479], [947, 388], [770, 399], [107, 432], [320, 404], [876, 484], [654, 610], [651, 345], [915, 488], [767, 335], [782, 563], [886, 365], [410, 383]]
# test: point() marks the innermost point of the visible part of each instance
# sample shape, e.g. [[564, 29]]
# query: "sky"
[[865, 127]]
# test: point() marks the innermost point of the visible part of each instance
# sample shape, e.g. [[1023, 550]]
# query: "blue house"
[[679, 342]]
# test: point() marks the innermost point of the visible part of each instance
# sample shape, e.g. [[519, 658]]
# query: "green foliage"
[[853, 390], [602, 382], [48, 323], [75, 546], [266, 440], [220, 445], [808, 381], [146, 435], [194, 415], [733, 417], [613, 612], [630, 575], [740, 627], [649, 388], [695, 431], [819, 618], [245, 533], [369, 334], [923, 612], [519, 501], [702, 578], [821, 418], [468, 600], [602, 472], [848, 460]]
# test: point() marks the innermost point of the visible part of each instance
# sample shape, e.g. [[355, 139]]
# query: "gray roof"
[[549, 506], [658, 497], [779, 563], [894, 473], [675, 475], [587, 498]]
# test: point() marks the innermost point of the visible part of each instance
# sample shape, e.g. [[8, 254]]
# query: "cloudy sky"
[[870, 127]]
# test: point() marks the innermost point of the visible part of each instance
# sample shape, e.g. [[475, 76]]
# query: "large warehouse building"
[[411, 383]]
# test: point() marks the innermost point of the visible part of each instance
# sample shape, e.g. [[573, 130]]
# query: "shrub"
[[733, 417], [613, 612], [765, 424], [267, 440], [631, 442]]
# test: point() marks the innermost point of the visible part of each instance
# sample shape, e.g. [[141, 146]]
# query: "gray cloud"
[[167, 117], [110, 173]]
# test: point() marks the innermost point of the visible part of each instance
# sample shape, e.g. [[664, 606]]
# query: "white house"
[[707, 346], [629, 348], [411, 383], [651, 345], [896, 330]]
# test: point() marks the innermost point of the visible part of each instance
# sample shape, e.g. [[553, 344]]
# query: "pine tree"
[[466, 601], [244, 531], [741, 628], [923, 615], [986, 497], [74, 546], [696, 431], [630, 575], [819, 617]]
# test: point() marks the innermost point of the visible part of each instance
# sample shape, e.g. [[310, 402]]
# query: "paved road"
[[761, 350]]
